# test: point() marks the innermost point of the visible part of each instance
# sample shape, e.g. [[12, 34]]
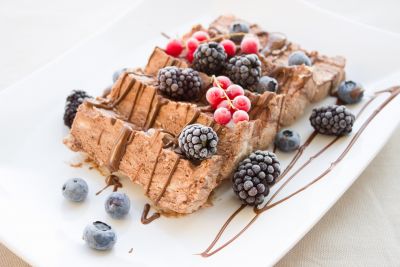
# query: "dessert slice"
[[173, 183]]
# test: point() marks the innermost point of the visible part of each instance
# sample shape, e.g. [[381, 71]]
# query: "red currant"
[[222, 116], [190, 56], [192, 44], [174, 47], [215, 95], [201, 36], [223, 81], [242, 102], [230, 47], [250, 45], [234, 90], [225, 104], [240, 115]]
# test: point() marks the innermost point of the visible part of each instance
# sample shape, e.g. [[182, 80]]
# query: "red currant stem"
[[225, 36], [165, 35], [226, 96]]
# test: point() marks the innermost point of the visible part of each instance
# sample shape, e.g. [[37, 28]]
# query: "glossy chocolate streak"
[[152, 172], [394, 91], [171, 173], [278, 124], [138, 94], [145, 213], [118, 150]]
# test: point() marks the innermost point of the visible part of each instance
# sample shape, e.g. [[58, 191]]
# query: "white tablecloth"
[[362, 229]]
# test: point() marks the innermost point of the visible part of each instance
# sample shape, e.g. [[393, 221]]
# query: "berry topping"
[[209, 58], [222, 81], [244, 70], [118, 73], [287, 140], [192, 44], [117, 205], [250, 45], [75, 189], [238, 27], [240, 115], [179, 83], [254, 175], [241, 102], [230, 47], [215, 95], [174, 47], [198, 142], [234, 90], [332, 120], [99, 236], [350, 92], [226, 104], [190, 56], [266, 83], [71, 106], [201, 36], [299, 58], [222, 116]]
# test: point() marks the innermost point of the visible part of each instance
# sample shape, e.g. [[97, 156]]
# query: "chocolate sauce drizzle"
[[211, 250], [146, 220]]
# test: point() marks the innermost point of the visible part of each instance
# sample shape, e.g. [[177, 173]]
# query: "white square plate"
[[43, 228]]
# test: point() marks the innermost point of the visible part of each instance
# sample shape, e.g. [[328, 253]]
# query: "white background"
[[362, 229]]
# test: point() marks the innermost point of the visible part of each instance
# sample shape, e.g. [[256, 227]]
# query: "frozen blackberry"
[[254, 176], [244, 70], [198, 142], [71, 106], [209, 58], [179, 83], [332, 120]]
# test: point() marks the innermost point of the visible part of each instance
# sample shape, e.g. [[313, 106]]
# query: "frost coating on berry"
[[244, 70], [209, 58], [287, 140], [254, 176], [350, 92], [332, 120], [71, 106], [198, 142], [179, 83], [265, 84], [299, 58], [99, 236]]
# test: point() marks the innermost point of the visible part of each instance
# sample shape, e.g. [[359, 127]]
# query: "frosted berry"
[[240, 115], [238, 27], [198, 141], [190, 56], [225, 104], [230, 47], [223, 82], [201, 36], [174, 48], [234, 90], [222, 116], [215, 95], [299, 58], [350, 92], [242, 102], [192, 44], [250, 45]]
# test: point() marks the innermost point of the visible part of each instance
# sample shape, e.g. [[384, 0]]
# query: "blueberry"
[[238, 27], [266, 83], [287, 140], [299, 58], [350, 92], [118, 73], [75, 189], [99, 236], [117, 205]]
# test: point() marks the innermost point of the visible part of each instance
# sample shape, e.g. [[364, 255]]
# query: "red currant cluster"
[[249, 45], [228, 101]]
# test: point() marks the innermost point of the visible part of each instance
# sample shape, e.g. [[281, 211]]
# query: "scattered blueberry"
[[299, 58], [75, 189], [99, 236], [266, 83], [117, 205], [350, 92], [287, 140], [238, 27], [118, 73]]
